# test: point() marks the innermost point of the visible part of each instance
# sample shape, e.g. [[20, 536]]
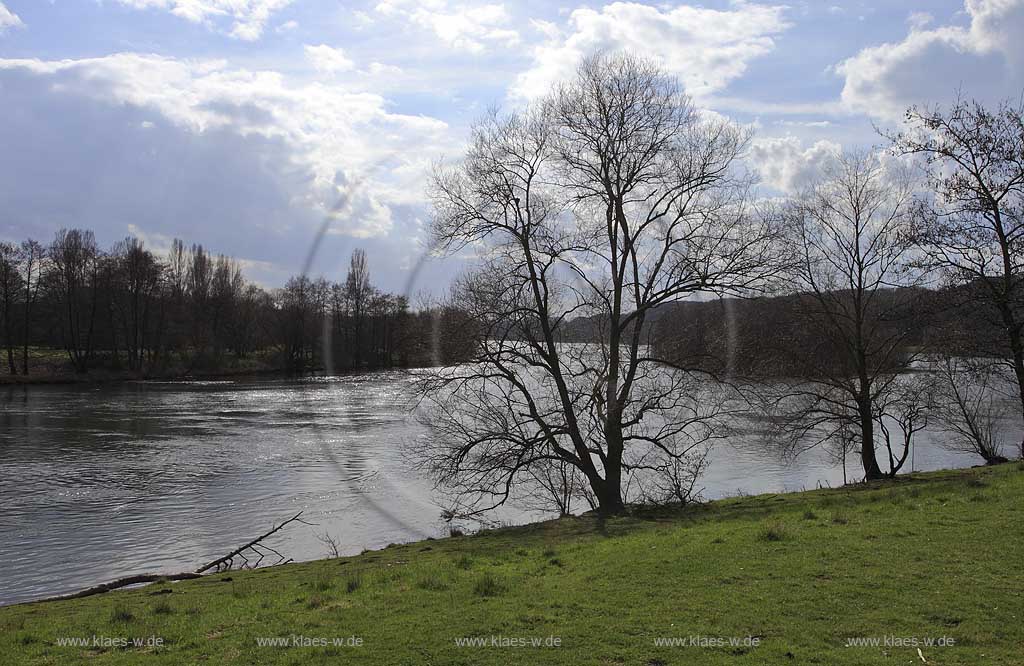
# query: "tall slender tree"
[[33, 256], [10, 289], [358, 293]]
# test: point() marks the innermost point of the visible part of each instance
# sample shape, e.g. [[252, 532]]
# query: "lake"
[[98, 482]]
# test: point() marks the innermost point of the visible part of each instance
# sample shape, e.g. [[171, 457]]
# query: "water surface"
[[105, 481]]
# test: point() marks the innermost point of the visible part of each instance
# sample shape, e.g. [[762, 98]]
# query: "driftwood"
[[220, 564], [226, 562], [123, 582]]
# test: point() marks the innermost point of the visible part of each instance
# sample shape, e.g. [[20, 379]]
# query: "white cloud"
[[757, 106], [472, 28], [327, 59], [362, 160], [248, 18], [928, 65], [706, 48], [361, 20], [8, 19], [785, 165], [819, 124], [380, 69], [287, 26], [919, 20]]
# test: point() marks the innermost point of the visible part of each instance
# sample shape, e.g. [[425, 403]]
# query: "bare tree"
[[358, 294], [558, 487], [199, 287], [226, 288], [843, 441], [904, 408], [302, 307], [10, 288], [972, 228], [333, 544], [137, 280], [970, 407], [606, 200], [677, 482], [75, 268], [849, 230], [176, 279], [32, 266]]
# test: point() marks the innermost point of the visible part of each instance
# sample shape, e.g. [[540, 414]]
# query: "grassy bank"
[[929, 557]]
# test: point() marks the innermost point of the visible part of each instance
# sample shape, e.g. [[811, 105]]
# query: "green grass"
[[929, 556]]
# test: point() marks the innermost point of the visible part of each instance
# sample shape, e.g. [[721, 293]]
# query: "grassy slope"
[[927, 556]]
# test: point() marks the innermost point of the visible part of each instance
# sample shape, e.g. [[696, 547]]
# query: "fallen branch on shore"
[[225, 563], [123, 582]]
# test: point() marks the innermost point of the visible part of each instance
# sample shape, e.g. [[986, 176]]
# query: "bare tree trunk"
[[1017, 352], [9, 341], [868, 459]]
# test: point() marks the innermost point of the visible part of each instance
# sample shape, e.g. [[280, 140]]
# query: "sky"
[[250, 126]]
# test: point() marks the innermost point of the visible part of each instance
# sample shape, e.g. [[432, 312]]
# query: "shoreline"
[[635, 511], [786, 568], [106, 377]]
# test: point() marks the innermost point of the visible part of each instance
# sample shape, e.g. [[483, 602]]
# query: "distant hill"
[[760, 336]]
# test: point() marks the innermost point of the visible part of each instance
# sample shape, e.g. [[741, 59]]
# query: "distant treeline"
[[129, 310], [783, 336]]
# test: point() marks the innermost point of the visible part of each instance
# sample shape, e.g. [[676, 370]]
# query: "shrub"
[[121, 613], [432, 581], [323, 582], [773, 532], [163, 608], [488, 586]]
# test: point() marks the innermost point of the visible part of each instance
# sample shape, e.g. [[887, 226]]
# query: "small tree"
[[842, 442], [970, 407], [904, 409], [677, 478], [849, 233], [558, 487]]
